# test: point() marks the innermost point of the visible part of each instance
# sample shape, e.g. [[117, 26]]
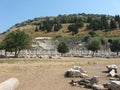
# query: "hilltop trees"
[[92, 21], [76, 21], [113, 24], [47, 25], [94, 24], [74, 27], [16, 41], [79, 23], [117, 18], [57, 27], [99, 23], [93, 34]]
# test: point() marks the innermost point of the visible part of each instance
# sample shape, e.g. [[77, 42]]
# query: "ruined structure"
[[41, 47], [10, 84], [47, 47]]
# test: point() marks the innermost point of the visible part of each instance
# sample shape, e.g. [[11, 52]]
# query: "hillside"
[[65, 25]]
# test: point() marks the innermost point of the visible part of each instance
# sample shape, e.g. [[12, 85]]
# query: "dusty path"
[[49, 74]]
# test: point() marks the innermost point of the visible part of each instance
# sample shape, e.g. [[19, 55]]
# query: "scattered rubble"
[[76, 71], [86, 82], [114, 85], [94, 80], [112, 70], [93, 83], [99, 87], [111, 67], [112, 73]]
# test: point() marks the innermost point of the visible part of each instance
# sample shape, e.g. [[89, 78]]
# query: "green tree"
[[47, 24], [57, 27], [93, 34], [117, 18], [95, 25], [79, 24], [73, 28], [40, 26], [113, 24], [115, 46], [89, 19], [105, 43], [87, 38], [16, 41], [119, 24], [36, 29], [94, 45], [62, 48], [104, 21]]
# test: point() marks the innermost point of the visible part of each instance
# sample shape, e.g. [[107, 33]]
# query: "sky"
[[16, 11]]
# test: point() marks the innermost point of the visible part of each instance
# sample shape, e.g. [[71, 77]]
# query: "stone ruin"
[[47, 47], [114, 85], [112, 70], [93, 83], [76, 71], [41, 47], [10, 84]]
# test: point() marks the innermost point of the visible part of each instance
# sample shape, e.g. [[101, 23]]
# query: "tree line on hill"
[[104, 24], [94, 22], [75, 21]]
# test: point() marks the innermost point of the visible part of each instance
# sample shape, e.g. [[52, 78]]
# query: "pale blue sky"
[[16, 11]]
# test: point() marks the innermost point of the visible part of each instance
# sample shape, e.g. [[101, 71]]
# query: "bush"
[[93, 34]]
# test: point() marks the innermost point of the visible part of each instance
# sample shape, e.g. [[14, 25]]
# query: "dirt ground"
[[48, 74]]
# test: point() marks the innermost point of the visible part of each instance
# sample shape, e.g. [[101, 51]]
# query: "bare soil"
[[48, 74]]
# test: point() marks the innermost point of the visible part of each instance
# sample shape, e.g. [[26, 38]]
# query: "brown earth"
[[44, 74]]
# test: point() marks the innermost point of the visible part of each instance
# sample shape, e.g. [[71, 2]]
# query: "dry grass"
[[30, 29], [1, 37], [48, 74]]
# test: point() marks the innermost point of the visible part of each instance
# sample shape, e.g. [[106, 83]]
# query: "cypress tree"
[[113, 24], [36, 29]]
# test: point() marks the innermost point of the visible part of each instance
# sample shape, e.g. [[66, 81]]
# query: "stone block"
[[10, 84], [114, 85]]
